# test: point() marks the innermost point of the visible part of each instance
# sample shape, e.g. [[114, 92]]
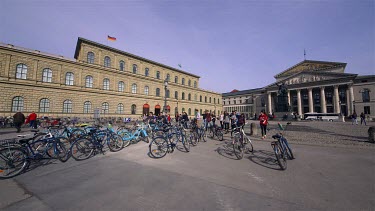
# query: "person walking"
[[32, 119], [221, 118], [226, 122], [354, 118], [263, 120], [18, 120], [363, 118], [233, 120]]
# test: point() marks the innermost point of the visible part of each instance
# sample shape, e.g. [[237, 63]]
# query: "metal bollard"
[[253, 129], [371, 134]]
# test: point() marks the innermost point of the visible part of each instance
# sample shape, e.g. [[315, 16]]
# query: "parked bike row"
[[84, 141]]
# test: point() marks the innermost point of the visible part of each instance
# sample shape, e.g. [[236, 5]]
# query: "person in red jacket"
[[263, 118], [32, 119]]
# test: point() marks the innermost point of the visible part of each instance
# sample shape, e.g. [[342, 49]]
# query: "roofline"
[[241, 92], [80, 40], [338, 63]]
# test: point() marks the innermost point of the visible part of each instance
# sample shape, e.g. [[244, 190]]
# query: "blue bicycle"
[[281, 148], [136, 134]]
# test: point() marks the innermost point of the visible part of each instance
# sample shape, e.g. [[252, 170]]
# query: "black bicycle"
[[281, 148]]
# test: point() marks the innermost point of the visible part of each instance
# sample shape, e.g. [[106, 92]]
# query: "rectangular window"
[[367, 110]]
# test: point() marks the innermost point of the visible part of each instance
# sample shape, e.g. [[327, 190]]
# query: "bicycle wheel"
[[76, 133], [237, 148], [193, 138], [12, 162], [125, 136], [211, 133], [220, 135], [115, 143], [82, 149], [204, 135], [248, 145], [158, 147], [185, 142], [280, 157], [288, 150]]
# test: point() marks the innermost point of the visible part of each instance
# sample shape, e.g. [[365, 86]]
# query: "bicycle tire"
[[186, 143], [12, 158], [248, 145], [158, 147], [82, 146], [115, 143], [125, 136], [193, 138], [288, 150], [204, 135], [211, 133], [237, 148], [280, 157], [220, 135]]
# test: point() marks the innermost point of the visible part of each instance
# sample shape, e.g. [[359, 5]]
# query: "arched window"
[[122, 65], [47, 75], [134, 88], [89, 81], [120, 108], [214, 100], [183, 110], [146, 90], [147, 72], [205, 99], [67, 106], [189, 82], [87, 107], [189, 96], [189, 111], [134, 109], [183, 96], [183, 81], [157, 92], [176, 79], [195, 97], [21, 71], [107, 61], [168, 78], [218, 101], [195, 84], [210, 99], [106, 84], [200, 98], [135, 68], [44, 105], [17, 104], [158, 74], [105, 108], [167, 93], [69, 79], [175, 95], [121, 86], [90, 57]]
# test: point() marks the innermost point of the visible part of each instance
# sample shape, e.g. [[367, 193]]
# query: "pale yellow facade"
[[25, 84]]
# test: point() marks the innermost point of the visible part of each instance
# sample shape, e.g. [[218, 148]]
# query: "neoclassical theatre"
[[312, 86], [99, 78]]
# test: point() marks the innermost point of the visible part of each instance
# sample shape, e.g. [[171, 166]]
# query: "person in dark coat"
[[18, 120]]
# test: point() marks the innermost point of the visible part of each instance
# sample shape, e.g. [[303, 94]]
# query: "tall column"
[[336, 99], [289, 104], [299, 102], [351, 94], [269, 102], [323, 100], [348, 103], [311, 104]]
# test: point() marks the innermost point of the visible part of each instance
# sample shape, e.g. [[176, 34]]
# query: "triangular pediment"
[[310, 66], [311, 77]]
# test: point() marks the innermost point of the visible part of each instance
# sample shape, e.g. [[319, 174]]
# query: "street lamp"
[[177, 105], [165, 95]]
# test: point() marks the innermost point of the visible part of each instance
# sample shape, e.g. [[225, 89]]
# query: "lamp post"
[[177, 105], [165, 96]]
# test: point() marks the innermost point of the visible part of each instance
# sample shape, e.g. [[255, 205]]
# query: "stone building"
[[306, 83], [99, 79]]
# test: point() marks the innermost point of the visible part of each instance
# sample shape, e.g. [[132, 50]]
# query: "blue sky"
[[230, 44]]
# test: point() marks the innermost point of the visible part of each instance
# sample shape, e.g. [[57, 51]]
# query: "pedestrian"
[[208, 120], [263, 120], [354, 118], [226, 121], [221, 120], [169, 118], [32, 119], [233, 120], [363, 118], [18, 120]]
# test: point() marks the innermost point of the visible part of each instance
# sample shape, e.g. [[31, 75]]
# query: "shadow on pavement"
[[226, 150], [264, 158]]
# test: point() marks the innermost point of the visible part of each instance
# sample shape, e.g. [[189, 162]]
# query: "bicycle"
[[15, 156], [137, 134], [161, 145], [241, 143], [214, 130], [281, 148]]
